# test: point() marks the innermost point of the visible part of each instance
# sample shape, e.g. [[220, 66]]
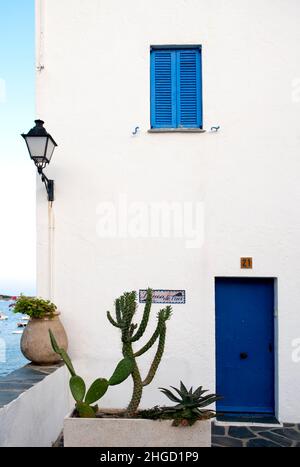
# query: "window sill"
[[176, 130]]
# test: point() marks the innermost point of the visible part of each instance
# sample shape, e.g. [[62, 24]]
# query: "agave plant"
[[190, 405]]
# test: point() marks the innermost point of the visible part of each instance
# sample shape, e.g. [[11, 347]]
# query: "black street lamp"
[[41, 146]]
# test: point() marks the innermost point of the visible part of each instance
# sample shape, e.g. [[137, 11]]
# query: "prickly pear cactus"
[[98, 389]]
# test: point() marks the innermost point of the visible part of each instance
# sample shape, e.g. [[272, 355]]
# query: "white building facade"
[[177, 207]]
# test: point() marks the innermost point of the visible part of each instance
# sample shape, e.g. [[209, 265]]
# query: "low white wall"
[[35, 419]]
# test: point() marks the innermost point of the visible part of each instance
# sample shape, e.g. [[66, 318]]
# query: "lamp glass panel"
[[37, 146], [50, 149]]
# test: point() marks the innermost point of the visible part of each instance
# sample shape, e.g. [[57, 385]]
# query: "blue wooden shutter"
[[176, 88], [163, 89], [189, 92]]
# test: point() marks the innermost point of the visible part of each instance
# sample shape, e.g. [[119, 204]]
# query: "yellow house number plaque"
[[246, 263]]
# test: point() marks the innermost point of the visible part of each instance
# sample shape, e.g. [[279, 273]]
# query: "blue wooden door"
[[245, 345]]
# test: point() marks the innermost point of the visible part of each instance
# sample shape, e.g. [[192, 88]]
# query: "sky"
[[17, 172]]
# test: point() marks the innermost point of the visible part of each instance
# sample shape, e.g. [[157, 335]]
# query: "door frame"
[[276, 332]]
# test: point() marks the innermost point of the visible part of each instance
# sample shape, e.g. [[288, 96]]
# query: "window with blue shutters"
[[176, 88]]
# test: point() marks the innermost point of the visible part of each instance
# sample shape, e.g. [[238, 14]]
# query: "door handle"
[[243, 356], [270, 348]]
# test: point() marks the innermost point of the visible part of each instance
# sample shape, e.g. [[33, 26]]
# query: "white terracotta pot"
[[35, 342], [122, 432]]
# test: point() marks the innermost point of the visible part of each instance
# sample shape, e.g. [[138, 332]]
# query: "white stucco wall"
[[92, 93], [35, 418]]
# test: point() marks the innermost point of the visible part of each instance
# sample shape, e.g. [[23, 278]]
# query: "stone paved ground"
[[59, 443], [287, 436]]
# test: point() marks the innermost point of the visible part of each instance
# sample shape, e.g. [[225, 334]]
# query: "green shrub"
[[34, 307]]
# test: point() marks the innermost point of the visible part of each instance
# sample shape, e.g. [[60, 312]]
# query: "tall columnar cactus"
[[125, 308]]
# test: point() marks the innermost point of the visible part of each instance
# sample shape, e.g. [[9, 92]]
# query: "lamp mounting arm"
[[49, 184]]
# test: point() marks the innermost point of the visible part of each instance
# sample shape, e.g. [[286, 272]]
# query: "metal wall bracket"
[[49, 184]]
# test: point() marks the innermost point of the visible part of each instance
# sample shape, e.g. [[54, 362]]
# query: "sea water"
[[11, 357]]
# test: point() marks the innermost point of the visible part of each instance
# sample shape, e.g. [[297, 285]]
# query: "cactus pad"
[[96, 391], [78, 389], [123, 370]]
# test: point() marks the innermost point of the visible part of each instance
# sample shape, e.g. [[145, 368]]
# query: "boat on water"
[[21, 325], [25, 318], [3, 317], [17, 332]]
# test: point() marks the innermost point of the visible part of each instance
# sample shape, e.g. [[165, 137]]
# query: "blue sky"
[[17, 173]]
